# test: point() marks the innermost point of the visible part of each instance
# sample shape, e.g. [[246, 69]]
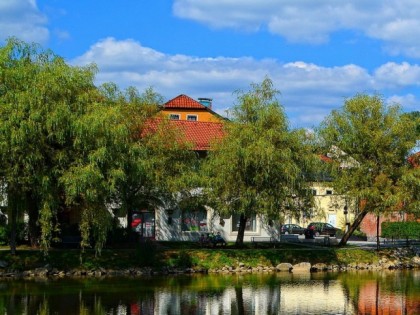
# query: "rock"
[[302, 267], [284, 267], [319, 267]]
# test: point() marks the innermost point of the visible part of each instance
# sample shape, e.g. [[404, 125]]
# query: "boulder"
[[284, 267], [302, 267]]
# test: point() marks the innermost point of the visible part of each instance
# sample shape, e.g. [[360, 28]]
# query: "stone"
[[284, 267], [302, 267], [320, 267]]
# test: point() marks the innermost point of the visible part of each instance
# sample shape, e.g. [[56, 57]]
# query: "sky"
[[317, 53]]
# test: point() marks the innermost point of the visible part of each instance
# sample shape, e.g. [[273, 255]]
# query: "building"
[[369, 225]]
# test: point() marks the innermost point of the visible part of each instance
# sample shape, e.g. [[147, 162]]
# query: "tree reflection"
[[346, 293]]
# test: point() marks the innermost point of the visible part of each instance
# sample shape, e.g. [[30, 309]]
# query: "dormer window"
[[192, 117], [174, 116]]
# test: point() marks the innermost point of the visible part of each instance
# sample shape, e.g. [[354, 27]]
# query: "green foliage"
[[21, 233], [401, 230], [67, 144], [369, 143], [260, 165], [147, 253]]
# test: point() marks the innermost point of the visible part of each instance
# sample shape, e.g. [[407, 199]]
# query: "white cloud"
[[308, 91], [393, 74], [22, 19], [395, 22]]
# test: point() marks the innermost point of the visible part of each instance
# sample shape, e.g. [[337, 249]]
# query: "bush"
[[21, 233], [402, 230]]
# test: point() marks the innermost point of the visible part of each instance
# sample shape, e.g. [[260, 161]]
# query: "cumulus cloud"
[[308, 91], [22, 19], [395, 22]]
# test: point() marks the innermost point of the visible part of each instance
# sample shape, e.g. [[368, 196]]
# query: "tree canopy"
[[67, 144], [259, 166], [369, 143]]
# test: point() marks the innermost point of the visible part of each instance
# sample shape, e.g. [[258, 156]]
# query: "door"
[[144, 223], [332, 219]]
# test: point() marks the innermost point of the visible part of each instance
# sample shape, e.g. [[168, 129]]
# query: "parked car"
[[322, 228], [291, 229]]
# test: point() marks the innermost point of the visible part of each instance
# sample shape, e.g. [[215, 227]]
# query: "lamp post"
[[345, 216]]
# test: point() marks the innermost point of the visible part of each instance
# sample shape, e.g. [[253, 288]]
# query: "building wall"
[[202, 115]]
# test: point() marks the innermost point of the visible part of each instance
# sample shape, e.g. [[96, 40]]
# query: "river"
[[363, 292]]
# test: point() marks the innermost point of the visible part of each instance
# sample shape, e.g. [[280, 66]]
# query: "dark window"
[[251, 223], [194, 220]]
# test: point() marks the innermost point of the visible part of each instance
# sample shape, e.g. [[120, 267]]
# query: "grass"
[[182, 254]]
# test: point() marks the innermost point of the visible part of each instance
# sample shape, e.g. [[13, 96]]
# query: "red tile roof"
[[199, 133], [415, 159], [184, 101]]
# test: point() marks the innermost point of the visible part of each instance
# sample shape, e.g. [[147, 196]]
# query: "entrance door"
[[332, 219], [144, 223]]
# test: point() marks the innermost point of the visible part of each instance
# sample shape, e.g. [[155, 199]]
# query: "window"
[[329, 192], [144, 223], [192, 117], [314, 192], [174, 116], [194, 220], [251, 223]]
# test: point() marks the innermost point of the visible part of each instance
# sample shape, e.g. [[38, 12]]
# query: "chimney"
[[205, 101]]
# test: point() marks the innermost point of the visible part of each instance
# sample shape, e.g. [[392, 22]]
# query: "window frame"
[[200, 224], [254, 219], [173, 115], [195, 116]]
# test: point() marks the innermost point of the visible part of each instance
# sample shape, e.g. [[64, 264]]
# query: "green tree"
[[40, 96], [156, 158], [260, 167], [369, 143], [66, 144]]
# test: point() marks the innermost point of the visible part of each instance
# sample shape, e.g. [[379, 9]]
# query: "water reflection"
[[390, 292]]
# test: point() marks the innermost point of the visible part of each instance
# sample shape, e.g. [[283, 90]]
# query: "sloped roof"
[[184, 101], [199, 133]]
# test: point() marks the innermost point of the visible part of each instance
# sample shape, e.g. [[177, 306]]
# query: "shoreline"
[[180, 261]]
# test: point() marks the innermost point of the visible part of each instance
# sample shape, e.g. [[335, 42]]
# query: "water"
[[385, 292]]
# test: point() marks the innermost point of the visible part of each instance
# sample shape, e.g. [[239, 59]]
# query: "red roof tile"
[[199, 133], [184, 101], [415, 159]]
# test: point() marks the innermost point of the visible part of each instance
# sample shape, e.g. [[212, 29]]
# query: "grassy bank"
[[165, 254]]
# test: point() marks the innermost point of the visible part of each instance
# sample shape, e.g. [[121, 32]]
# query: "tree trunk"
[[241, 230], [34, 231], [14, 206], [377, 233], [353, 227]]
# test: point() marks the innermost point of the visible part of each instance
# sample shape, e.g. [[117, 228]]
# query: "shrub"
[[403, 230]]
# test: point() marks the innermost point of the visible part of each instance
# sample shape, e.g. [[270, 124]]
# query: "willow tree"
[[369, 143], [260, 165], [154, 160], [40, 97]]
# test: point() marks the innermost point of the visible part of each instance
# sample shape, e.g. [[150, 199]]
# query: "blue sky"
[[316, 52]]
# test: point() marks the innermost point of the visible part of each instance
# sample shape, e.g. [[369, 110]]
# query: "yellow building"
[[184, 107]]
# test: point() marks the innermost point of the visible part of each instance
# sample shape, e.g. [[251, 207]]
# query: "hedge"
[[402, 230]]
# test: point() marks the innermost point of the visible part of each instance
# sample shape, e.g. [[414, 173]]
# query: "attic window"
[[174, 116], [192, 117]]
